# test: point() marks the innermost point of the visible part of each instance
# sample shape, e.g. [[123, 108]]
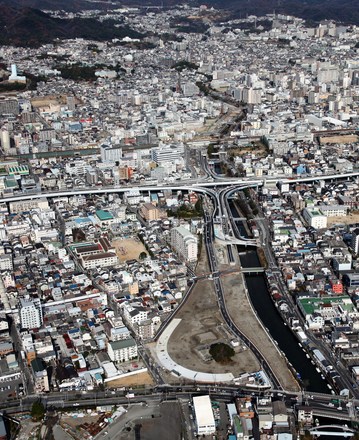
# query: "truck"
[[130, 395]]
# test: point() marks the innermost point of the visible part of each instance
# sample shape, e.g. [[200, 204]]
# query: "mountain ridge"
[[26, 26]]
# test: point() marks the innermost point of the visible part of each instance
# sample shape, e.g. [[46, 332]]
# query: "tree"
[[221, 353], [143, 255], [37, 410], [198, 206], [78, 235]]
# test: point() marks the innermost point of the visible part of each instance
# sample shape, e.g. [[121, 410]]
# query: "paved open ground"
[[165, 425], [60, 434], [128, 248], [153, 422]]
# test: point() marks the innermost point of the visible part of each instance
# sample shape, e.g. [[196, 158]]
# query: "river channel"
[[269, 315], [287, 342]]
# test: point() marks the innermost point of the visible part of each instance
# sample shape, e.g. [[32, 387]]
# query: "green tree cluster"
[[37, 410], [221, 353], [78, 72], [183, 64]]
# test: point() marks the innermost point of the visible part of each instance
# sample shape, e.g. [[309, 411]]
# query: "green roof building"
[[104, 215]]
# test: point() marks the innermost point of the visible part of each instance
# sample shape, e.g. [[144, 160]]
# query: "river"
[[267, 312]]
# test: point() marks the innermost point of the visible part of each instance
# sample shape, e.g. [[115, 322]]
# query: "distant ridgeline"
[[22, 24], [31, 27]]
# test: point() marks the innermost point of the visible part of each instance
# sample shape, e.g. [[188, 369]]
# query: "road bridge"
[[194, 185], [328, 412], [337, 431], [255, 270], [239, 219]]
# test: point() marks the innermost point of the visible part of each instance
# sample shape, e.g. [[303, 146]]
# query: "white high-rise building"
[[30, 313], [355, 241], [315, 218], [122, 350], [184, 243], [167, 153], [110, 154], [14, 77]]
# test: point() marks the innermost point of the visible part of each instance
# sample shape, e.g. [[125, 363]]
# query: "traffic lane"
[[238, 333]]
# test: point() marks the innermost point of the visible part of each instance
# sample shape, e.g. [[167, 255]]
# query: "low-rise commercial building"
[[204, 415]]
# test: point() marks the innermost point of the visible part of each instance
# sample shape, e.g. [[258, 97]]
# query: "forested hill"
[[24, 26]]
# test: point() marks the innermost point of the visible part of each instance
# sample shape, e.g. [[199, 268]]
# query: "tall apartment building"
[[5, 139], [39, 370], [315, 218], [355, 241], [71, 102], [123, 350], [6, 262], [125, 172], [30, 313], [110, 154], [184, 243], [150, 212]]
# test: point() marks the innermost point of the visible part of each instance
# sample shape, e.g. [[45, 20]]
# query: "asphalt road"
[[208, 238]]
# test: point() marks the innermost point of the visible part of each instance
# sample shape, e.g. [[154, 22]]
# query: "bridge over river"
[[335, 431]]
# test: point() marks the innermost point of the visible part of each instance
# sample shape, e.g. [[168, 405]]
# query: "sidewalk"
[[167, 362]]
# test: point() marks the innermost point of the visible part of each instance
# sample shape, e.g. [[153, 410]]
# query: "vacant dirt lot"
[[345, 139], [347, 220], [202, 325], [132, 381], [128, 248], [242, 314]]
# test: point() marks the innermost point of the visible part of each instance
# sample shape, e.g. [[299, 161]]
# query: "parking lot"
[[11, 386]]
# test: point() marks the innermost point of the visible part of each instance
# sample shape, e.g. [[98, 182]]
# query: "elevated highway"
[[192, 184], [219, 191]]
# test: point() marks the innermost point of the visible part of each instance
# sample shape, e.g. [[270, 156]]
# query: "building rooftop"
[[310, 305], [125, 343], [104, 215], [203, 410]]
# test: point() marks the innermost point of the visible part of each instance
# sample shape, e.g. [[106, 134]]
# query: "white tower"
[[13, 70], [14, 76]]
